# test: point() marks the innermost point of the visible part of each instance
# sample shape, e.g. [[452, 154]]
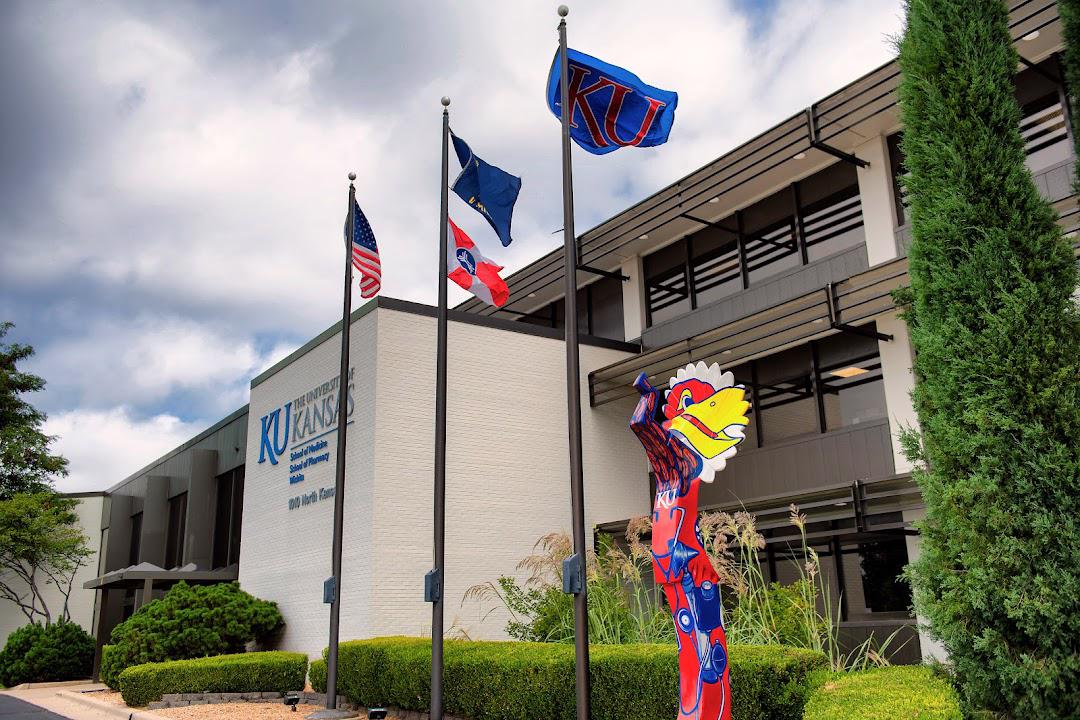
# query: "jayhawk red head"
[[706, 410]]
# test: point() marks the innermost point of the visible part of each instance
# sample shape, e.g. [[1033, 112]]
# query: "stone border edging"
[[51, 684]]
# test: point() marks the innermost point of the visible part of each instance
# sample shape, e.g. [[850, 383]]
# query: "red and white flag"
[[468, 267]]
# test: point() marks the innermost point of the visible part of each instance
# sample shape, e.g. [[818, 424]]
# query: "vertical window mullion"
[[755, 405], [797, 222], [742, 249], [815, 385], [688, 271]]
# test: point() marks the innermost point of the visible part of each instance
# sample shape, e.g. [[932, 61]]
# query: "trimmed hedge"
[[534, 681], [911, 692], [244, 672]]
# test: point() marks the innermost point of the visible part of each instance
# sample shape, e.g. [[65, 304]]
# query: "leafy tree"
[[41, 545], [997, 341], [26, 465], [190, 621]]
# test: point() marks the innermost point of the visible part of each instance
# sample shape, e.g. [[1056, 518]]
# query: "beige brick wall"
[[507, 476], [507, 467], [285, 554]]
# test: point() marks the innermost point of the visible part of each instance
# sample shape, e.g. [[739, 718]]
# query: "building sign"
[[297, 432]]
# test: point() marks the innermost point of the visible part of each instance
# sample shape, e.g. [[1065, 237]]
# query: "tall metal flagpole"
[[339, 481], [573, 388], [435, 581]]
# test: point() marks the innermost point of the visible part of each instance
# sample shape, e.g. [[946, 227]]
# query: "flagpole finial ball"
[[563, 11], [445, 101], [352, 176]]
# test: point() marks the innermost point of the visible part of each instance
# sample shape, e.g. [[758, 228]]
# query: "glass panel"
[[714, 264], [881, 563], [559, 309], [666, 291], [852, 388], [134, 549], [744, 376], [785, 396], [769, 236], [1042, 122], [831, 211], [222, 518], [899, 170], [237, 515], [607, 308], [174, 537], [541, 317], [1042, 127]]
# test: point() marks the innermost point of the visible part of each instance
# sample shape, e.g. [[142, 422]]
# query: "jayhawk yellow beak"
[[715, 424]]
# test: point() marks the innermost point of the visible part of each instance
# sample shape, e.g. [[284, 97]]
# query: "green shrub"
[[526, 681], [996, 336], [317, 675], [244, 672], [35, 653], [189, 622], [912, 693]]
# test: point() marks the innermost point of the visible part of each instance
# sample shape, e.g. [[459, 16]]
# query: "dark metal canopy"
[[136, 576]]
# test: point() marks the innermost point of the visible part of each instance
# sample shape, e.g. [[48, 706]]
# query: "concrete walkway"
[[43, 703]]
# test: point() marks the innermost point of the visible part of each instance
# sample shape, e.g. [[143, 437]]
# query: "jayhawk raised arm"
[[689, 434]]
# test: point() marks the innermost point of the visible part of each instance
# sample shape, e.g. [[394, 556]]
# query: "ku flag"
[[489, 190], [468, 267], [610, 107]]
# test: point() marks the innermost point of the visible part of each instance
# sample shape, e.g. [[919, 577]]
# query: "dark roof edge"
[[234, 415], [415, 308]]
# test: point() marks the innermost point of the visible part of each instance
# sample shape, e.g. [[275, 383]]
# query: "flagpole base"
[[332, 714]]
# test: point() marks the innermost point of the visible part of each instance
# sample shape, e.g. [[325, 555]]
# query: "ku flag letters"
[[610, 107], [489, 190], [468, 267]]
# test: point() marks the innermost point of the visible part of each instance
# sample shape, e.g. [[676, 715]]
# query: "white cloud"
[[105, 446], [203, 151]]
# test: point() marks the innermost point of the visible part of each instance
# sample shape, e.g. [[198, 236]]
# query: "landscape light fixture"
[[292, 700], [376, 713], [849, 372]]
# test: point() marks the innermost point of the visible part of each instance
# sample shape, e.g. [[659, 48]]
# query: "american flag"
[[365, 254]]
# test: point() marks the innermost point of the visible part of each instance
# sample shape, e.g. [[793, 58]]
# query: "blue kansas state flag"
[[488, 190], [610, 107]]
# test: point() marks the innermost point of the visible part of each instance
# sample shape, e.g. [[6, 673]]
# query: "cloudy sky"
[[172, 174]]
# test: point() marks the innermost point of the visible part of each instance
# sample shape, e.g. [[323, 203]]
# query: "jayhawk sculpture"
[[689, 433]]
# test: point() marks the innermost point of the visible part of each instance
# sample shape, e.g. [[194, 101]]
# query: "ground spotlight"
[[292, 700], [376, 713]]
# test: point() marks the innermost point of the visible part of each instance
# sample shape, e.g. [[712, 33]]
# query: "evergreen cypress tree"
[[997, 342]]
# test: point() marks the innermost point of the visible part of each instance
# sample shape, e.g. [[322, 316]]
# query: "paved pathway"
[[12, 708], [42, 703]]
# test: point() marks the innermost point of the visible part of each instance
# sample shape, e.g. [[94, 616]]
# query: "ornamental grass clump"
[[996, 335]]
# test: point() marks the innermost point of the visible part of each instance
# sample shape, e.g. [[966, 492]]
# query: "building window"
[[769, 236], [174, 538], [785, 395], [135, 548], [715, 271], [881, 563], [228, 515], [810, 220], [667, 291], [830, 211], [1042, 117], [599, 309], [850, 380], [899, 172]]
